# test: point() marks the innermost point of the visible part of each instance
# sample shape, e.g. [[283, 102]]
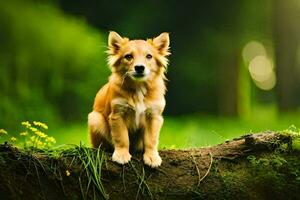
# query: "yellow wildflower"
[[24, 133], [13, 139], [39, 143], [3, 132], [68, 173], [50, 139], [40, 124], [33, 129], [26, 124], [41, 134], [32, 138]]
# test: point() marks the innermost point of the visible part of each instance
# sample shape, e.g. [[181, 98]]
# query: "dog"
[[127, 111]]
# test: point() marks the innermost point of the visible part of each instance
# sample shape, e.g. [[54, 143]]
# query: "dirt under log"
[[257, 166]]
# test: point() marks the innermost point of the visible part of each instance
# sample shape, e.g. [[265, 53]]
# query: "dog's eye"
[[128, 56], [148, 56]]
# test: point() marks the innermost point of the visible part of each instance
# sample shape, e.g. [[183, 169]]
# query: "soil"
[[258, 166]]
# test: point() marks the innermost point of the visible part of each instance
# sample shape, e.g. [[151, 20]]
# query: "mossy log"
[[256, 166]]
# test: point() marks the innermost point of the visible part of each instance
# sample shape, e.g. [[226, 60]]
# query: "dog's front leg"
[[120, 139], [151, 135]]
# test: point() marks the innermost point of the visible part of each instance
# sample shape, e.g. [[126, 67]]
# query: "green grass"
[[92, 162], [196, 130]]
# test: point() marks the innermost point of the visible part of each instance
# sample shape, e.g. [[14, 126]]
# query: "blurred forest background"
[[234, 68]]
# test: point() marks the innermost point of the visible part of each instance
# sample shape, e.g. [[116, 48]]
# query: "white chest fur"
[[139, 105], [136, 104]]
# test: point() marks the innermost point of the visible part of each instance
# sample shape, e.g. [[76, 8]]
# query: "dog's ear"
[[162, 43], [114, 41]]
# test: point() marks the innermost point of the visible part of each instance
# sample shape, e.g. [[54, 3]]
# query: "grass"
[[59, 162], [196, 130], [91, 161], [181, 132]]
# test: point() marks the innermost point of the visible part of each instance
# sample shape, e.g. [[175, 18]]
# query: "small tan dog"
[[128, 110]]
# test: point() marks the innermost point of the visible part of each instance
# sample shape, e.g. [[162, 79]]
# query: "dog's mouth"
[[139, 76]]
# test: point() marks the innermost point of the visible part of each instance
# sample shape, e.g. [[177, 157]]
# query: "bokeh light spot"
[[253, 49], [262, 72]]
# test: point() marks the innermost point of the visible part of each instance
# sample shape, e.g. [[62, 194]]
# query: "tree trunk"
[[287, 49], [259, 166], [228, 87]]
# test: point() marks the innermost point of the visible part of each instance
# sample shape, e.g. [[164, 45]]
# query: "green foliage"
[[38, 139], [32, 137], [195, 130], [51, 64], [294, 132], [274, 160], [91, 161], [269, 173]]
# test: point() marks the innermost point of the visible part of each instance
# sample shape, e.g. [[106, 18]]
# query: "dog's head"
[[141, 60]]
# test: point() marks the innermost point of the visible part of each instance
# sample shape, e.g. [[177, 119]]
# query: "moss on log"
[[256, 166]]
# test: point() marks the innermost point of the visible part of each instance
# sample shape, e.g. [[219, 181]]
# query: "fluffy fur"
[[127, 111]]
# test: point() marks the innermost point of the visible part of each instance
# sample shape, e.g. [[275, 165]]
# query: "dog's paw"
[[121, 156], [152, 159]]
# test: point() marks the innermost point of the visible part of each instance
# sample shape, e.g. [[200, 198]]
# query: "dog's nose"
[[139, 69]]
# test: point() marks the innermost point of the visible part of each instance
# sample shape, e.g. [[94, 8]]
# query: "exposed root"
[[208, 170], [142, 184], [197, 168]]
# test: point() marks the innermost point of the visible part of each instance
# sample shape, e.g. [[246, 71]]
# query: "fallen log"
[[256, 166]]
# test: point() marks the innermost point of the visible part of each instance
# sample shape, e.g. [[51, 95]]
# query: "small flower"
[[50, 139], [13, 139], [68, 173], [41, 134], [24, 133], [26, 124], [32, 138], [39, 143], [40, 124], [33, 129], [3, 132]]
